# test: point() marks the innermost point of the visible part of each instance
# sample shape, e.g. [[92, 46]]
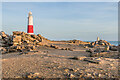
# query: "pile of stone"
[[99, 43], [21, 38], [20, 41]]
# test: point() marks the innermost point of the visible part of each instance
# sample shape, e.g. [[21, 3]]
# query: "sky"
[[64, 20]]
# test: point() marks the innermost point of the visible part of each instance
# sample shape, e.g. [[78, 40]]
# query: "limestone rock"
[[32, 75], [113, 48], [71, 76], [3, 34], [89, 50], [99, 43], [16, 40], [78, 58], [3, 50], [92, 60]]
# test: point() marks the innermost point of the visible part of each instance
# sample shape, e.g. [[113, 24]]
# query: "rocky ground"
[[33, 56], [56, 63]]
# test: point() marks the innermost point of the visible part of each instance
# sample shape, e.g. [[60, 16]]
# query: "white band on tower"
[[30, 19]]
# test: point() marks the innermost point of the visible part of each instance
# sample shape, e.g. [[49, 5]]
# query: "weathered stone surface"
[[21, 40], [99, 43], [89, 50], [96, 54], [54, 46], [16, 40], [92, 60], [106, 48], [3, 50], [18, 33], [78, 42], [3, 34], [78, 58], [32, 75], [113, 48], [85, 46], [71, 76]]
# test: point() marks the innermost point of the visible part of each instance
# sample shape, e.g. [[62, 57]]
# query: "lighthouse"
[[30, 23]]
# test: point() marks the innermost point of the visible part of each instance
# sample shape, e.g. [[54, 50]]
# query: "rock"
[[85, 46], [99, 43], [71, 76], [32, 75], [53, 46], [97, 50], [95, 74], [66, 70], [113, 48], [28, 52], [3, 34], [90, 50], [106, 48], [17, 33], [89, 75], [99, 75], [78, 58], [96, 54], [92, 60], [3, 50], [19, 40], [62, 48], [47, 45], [66, 48], [34, 36], [26, 41], [16, 40], [12, 50], [70, 49], [92, 43], [33, 47], [42, 38]]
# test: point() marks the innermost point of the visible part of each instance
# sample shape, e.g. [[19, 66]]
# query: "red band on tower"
[[30, 29]]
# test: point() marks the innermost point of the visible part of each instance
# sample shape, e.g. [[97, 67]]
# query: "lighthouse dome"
[[30, 13]]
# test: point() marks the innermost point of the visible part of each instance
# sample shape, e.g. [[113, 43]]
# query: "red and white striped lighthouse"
[[30, 23]]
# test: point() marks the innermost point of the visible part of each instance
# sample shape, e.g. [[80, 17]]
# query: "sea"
[[111, 42]]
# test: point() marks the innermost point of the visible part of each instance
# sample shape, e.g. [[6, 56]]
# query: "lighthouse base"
[[30, 29], [30, 33]]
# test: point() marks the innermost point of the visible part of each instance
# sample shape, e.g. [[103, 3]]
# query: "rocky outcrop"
[[20, 41], [99, 43]]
